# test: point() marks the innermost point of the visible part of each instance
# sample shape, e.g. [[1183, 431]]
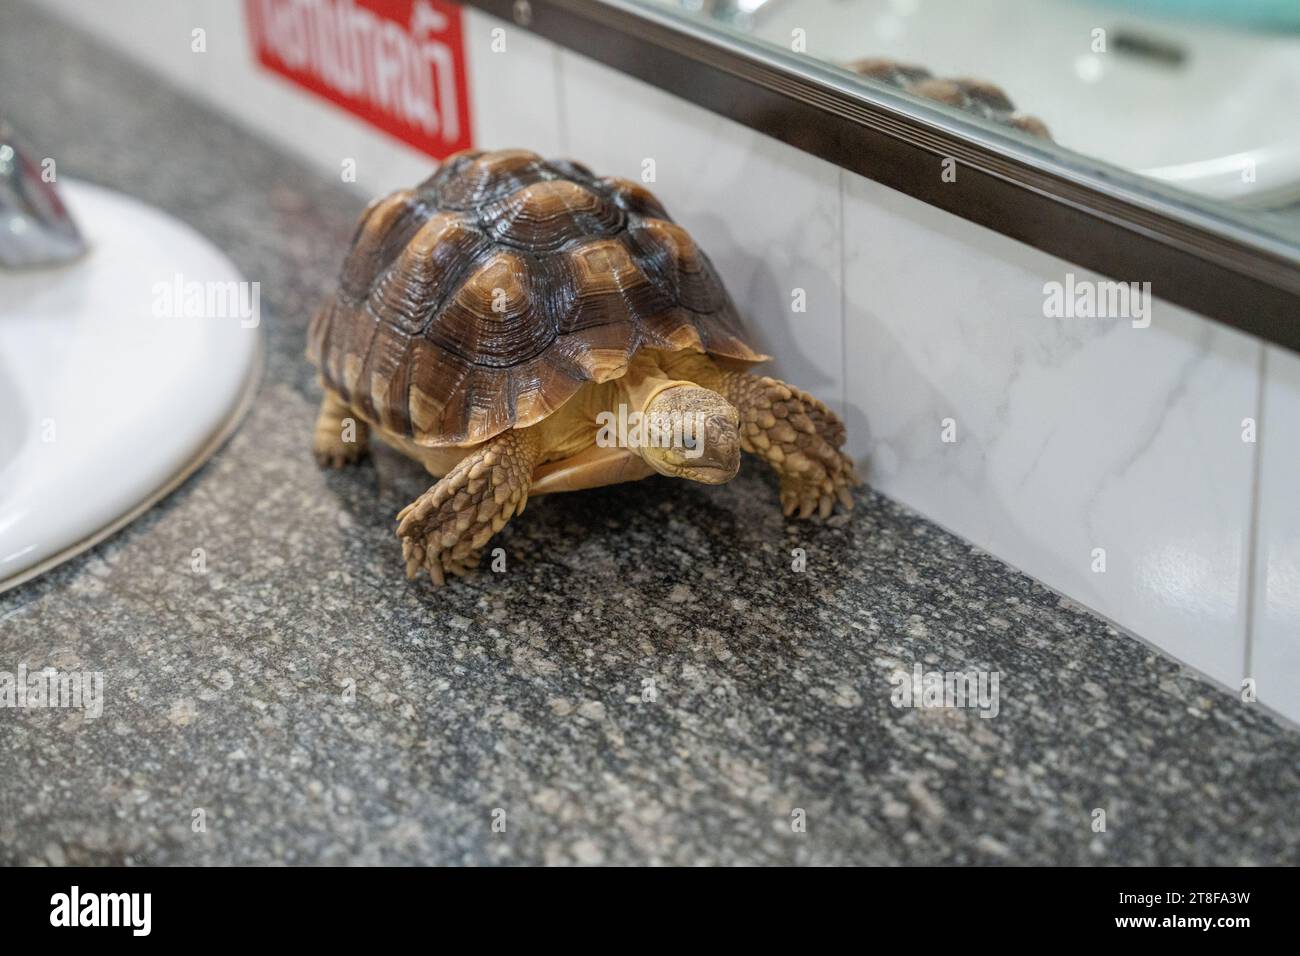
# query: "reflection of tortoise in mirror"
[[523, 327], [978, 97]]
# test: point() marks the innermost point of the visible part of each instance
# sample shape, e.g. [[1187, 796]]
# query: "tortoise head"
[[691, 432]]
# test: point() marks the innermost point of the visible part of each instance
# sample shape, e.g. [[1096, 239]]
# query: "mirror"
[[1197, 96]]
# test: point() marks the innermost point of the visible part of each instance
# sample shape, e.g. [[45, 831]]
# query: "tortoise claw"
[[444, 530], [327, 442]]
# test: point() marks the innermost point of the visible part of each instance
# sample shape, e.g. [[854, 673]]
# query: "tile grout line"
[[1252, 527], [844, 327], [561, 115]]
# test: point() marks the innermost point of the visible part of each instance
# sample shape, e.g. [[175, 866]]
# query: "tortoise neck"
[[644, 380]]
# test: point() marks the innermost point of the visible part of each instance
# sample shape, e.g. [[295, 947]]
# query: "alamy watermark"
[[130, 910], [1086, 299], [50, 688], [182, 299], [634, 429], [940, 689]]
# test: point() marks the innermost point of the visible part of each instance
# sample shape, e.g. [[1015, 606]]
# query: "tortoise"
[[977, 97], [523, 327]]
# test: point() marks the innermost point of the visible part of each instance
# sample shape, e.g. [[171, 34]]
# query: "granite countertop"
[[525, 692]]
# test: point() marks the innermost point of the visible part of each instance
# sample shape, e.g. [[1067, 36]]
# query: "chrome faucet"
[[35, 227]]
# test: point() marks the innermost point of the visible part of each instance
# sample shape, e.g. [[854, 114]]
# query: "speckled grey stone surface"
[[523, 691]]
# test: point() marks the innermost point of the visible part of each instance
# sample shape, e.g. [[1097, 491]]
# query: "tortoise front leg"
[[799, 437], [444, 530], [340, 438]]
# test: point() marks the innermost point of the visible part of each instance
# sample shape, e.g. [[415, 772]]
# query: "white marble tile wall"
[[1071, 435], [514, 86]]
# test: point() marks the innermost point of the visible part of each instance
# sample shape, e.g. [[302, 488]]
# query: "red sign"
[[399, 64]]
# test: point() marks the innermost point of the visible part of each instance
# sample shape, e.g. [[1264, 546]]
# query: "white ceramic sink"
[[1179, 100], [111, 395]]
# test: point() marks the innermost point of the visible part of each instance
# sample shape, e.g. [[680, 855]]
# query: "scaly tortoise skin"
[[486, 318]]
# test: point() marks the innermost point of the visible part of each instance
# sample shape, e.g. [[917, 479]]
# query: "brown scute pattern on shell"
[[543, 216], [633, 197], [468, 181], [682, 265], [385, 228], [407, 292], [483, 298], [571, 169], [489, 320]]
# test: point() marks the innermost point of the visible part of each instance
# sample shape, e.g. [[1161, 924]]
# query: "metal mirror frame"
[[1099, 217]]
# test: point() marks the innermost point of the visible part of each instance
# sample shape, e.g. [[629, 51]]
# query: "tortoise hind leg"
[[444, 530], [340, 437], [799, 437]]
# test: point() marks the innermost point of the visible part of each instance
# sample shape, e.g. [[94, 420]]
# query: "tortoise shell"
[[485, 297], [978, 97]]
